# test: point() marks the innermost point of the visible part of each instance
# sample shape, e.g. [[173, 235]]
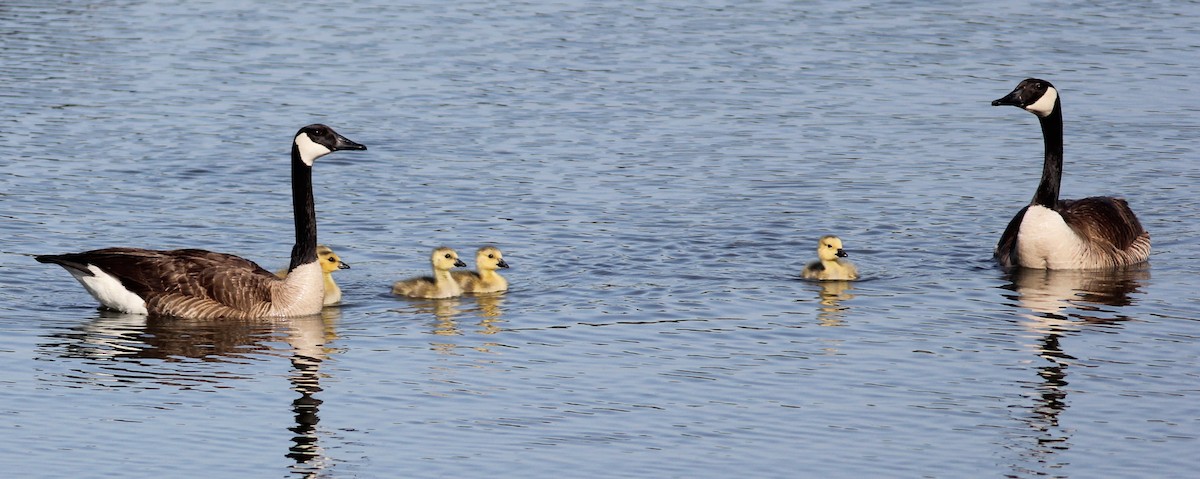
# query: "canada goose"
[[830, 265], [330, 262], [486, 280], [440, 285], [1100, 232], [200, 284]]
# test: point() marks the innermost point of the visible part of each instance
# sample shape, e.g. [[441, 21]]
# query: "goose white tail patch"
[[310, 150], [1045, 105], [1046, 242], [109, 291]]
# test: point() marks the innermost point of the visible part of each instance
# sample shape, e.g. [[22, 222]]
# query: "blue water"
[[656, 174]]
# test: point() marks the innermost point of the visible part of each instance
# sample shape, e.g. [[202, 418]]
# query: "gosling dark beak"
[[342, 265], [502, 264], [842, 253], [458, 263], [344, 143]]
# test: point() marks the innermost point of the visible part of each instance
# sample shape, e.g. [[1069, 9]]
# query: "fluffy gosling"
[[830, 265], [330, 262], [440, 285], [486, 280]]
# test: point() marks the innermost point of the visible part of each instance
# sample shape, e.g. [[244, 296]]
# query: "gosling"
[[831, 266], [330, 262], [440, 285], [486, 280]]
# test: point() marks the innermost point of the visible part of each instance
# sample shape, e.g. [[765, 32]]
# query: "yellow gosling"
[[831, 266], [485, 280], [440, 285]]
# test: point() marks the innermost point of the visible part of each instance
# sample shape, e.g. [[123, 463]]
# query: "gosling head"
[[317, 140], [489, 258], [445, 259], [1032, 95], [829, 248], [329, 260]]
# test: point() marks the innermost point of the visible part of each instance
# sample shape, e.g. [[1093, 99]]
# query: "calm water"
[[657, 174]]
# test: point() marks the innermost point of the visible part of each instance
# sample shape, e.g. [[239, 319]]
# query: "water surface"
[[656, 174]]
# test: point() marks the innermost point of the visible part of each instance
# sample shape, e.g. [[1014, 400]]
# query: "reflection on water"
[[831, 311], [449, 313], [122, 350], [1066, 300], [1061, 303]]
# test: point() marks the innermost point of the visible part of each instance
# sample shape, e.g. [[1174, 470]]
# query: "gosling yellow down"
[[440, 285], [831, 265], [485, 280]]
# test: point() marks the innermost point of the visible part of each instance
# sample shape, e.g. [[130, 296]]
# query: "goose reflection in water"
[[123, 350], [1055, 304]]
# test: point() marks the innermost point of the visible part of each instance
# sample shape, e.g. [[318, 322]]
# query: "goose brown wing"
[[192, 275], [1105, 220]]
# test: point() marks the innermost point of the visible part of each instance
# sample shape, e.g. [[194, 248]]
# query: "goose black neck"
[[305, 212], [1052, 135]]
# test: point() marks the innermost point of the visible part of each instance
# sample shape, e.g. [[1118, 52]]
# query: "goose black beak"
[[502, 264], [842, 253], [344, 143], [342, 265], [1011, 99], [460, 264]]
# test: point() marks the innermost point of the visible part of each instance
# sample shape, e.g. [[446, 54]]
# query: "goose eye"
[[491, 256], [447, 255], [330, 260]]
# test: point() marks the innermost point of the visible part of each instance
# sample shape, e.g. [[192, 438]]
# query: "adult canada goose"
[[330, 262], [830, 264], [194, 283], [440, 285], [486, 280], [1100, 232]]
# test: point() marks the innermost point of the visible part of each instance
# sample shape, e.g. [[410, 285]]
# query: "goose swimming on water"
[[194, 283], [1100, 232]]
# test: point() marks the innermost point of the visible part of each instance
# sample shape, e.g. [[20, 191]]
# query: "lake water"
[[656, 173]]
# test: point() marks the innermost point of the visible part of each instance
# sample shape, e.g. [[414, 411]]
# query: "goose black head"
[[317, 140], [1033, 95]]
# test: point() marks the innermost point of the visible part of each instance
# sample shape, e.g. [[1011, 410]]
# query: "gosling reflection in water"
[[449, 315], [831, 311], [1063, 302]]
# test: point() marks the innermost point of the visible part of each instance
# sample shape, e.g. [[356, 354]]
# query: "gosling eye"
[[331, 260], [447, 255], [491, 256]]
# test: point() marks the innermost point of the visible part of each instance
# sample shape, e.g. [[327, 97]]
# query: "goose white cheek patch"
[[310, 150], [1045, 104]]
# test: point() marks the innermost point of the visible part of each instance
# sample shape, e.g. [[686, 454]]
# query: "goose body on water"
[[485, 279], [440, 285], [831, 264], [330, 262], [1099, 232], [199, 284]]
